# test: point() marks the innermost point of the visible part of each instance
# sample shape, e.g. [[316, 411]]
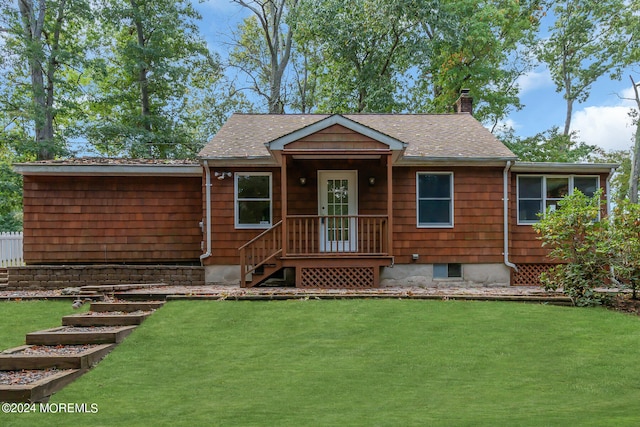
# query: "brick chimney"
[[464, 103]]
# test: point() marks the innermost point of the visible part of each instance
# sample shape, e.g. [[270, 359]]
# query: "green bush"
[[577, 239]]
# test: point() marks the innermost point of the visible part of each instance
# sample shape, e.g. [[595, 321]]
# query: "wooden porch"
[[326, 251]]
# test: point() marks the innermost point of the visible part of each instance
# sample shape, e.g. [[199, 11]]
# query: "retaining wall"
[[64, 276]]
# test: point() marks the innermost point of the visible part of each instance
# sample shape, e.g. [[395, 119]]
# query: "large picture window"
[[537, 193], [253, 200], [435, 199]]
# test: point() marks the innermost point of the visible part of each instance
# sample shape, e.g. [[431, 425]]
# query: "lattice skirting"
[[337, 277], [529, 274]]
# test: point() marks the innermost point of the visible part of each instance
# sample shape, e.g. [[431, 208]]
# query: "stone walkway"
[[513, 293]]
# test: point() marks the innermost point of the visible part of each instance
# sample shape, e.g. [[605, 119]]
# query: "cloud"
[[535, 80], [608, 127]]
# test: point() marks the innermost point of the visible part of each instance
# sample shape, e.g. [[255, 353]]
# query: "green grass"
[[18, 318], [364, 362]]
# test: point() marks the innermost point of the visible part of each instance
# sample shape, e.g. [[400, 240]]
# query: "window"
[[447, 271], [538, 193], [435, 199], [253, 200]]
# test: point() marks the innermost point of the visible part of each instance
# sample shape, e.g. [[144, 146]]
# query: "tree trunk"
[[145, 105], [635, 164], [567, 119], [32, 26]]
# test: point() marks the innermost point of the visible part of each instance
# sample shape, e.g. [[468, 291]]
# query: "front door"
[[338, 210]]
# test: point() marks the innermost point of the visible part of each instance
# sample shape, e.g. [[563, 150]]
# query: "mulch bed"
[[25, 377], [88, 329], [117, 313], [55, 350]]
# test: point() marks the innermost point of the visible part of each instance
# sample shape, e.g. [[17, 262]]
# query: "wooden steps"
[[96, 333]]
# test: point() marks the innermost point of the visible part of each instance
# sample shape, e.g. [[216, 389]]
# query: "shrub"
[[578, 239]]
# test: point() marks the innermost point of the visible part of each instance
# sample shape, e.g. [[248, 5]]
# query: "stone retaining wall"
[[65, 276]]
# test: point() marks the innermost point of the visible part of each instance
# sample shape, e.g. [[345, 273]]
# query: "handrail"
[[260, 250], [259, 236]]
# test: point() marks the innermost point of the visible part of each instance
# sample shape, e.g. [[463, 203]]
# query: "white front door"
[[338, 207]]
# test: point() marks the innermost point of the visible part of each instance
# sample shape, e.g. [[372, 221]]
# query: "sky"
[[602, 120]]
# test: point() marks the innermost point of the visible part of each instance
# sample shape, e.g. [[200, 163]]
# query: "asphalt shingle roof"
[[432, 136]]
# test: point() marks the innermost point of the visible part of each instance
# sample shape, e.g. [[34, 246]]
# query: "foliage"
[[624, 241], [549, 146], [362, 362], [392, 55], [579, 240], [619, 188], [42, 47], [153, 72]]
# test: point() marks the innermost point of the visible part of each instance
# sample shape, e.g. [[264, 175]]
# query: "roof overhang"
[[454, 161], [107, 170], [551, 167], [240, 161], [336, 119]]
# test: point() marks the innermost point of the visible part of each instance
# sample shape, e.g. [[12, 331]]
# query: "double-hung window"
[[435, 199], [253, 200], [537, 193]]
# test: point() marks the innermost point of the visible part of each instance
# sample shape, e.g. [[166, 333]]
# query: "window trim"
[[236, 200], [544, 191], [450, 224]]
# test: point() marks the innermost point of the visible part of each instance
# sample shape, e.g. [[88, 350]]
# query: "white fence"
[[10, 249]]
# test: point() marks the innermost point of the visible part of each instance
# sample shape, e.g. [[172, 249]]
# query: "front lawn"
[[18, 318], [364, 362]]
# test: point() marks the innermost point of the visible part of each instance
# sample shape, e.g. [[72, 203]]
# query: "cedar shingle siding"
[[78, 219]]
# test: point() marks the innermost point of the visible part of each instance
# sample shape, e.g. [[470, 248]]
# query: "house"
[[351, 200]]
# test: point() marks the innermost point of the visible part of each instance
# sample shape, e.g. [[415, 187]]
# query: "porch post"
[[390, 203], [283, 203]]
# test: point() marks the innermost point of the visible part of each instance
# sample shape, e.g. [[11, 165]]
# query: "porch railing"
[[260, 250], [324, 235]]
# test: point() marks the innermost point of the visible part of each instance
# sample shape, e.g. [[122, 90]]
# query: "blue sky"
[[603, 120]]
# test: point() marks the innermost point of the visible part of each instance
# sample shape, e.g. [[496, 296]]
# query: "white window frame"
[[544, 191], [450, 224], [236, 200]]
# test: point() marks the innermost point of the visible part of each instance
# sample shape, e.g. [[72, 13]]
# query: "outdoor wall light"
[[372, 181], [303, 181], [222, 175]]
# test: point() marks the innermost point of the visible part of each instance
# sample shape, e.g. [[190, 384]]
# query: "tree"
[[365, 50], [44, 47], [635, 165], [549, 146], [153, 69], [481, 46], [624, 245], [588, 40], [394, 55], [579, 241], [264, 46]]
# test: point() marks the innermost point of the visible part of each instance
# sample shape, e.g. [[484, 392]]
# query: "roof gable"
[[336, 119]]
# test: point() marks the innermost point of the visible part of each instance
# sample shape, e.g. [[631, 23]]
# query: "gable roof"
[[427, 137]]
